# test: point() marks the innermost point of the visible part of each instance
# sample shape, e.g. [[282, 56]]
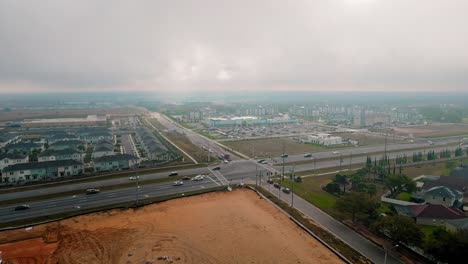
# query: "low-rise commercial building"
[[248, 121], [323, 139], [91, 120]]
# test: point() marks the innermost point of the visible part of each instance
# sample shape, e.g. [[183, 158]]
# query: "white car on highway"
[[336, 152], [178, 183], [198, 178]]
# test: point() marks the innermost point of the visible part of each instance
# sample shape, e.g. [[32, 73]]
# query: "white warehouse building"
[[324, 139]]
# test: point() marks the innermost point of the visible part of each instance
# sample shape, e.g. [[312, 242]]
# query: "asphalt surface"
[[194, 137], [95, 184], [83, 201], [344, 162], [420, 144]]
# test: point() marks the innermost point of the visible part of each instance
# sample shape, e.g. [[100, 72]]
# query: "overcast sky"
[[350, 45]]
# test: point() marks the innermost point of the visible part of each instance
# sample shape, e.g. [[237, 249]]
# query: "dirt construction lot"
[[236, 227]]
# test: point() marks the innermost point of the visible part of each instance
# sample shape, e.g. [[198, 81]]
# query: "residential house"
[[7, 159], [458, 183], [153, 147], [62, 154], [94, 134], [444, 196], [8, 138], [115, 162], [67, 144], [430, 214], [36, 171], [61, 137], [457, 224], [22, 148], [461, 171], [103, 148]]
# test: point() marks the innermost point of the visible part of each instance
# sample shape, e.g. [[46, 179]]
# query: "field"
[[181, 141], [271, 147], [235, 227], [434, 130], [368, 139], [19, 115]]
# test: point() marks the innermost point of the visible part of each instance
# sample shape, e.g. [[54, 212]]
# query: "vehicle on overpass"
[[22, 207], [92, 191]]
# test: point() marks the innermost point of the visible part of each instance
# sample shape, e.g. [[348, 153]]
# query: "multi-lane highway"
[[94, 184], [85, 201]]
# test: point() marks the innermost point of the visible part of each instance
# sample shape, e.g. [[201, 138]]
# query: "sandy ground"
[[236, 227]]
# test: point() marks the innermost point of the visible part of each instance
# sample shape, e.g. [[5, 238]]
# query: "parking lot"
[[251, 132]]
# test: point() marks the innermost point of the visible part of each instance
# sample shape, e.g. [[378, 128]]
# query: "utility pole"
[[292, 186], [385, 150], [350, 160], [137, 187], [256, 176]]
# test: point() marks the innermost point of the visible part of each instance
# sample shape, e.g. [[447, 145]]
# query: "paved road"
[[373, 252], [346, 161], [71, 203], [94, 184], [194, 137], [371, 149]]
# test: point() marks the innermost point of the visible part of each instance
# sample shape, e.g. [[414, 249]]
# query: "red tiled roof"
[[436, 211]]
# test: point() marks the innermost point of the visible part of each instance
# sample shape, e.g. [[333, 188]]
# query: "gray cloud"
[[188, 45]]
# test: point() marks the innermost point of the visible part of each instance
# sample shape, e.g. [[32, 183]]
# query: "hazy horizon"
[[185, 47]]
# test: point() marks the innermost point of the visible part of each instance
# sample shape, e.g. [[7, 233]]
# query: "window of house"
[[6, 161], [21, 172], [11, 173]]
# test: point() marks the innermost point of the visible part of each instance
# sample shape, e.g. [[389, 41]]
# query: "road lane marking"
[[213, 180]]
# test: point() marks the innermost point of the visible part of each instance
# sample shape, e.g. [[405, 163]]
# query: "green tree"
[[371, 189], [355, 203], [446, 246], [332, 187], [400, 229], [342, 180], [399, 183]]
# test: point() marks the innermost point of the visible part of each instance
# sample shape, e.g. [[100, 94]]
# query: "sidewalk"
[[368, 249]]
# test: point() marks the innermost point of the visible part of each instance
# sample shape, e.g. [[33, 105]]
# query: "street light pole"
[[386, 252]]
